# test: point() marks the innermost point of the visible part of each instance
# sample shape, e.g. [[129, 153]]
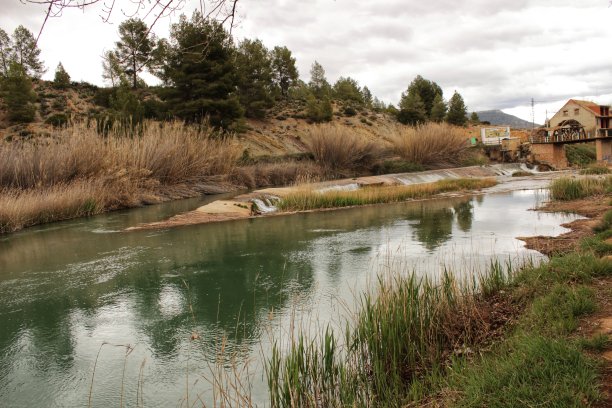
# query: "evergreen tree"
[[254, 78], [319, 109], [111, 69], [347, 89], [378, 105], [438, 109], [366, 95], [318, 83], [284, 71], [201, 72], [134, 48], [427, 91], [62, 79], [474, 118], [26, 53], [411, 109], [18, 94], [457, 111], [6, 50], [126, 105]]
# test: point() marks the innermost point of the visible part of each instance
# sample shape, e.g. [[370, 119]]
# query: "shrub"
[[580, 154], [595, 170], [349, 111], [57, 120], [566, 188], [522, 173], [319, 110]]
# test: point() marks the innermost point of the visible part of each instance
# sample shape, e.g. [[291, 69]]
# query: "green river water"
[[68, 288]]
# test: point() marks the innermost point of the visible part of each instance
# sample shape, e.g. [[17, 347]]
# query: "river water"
[[142, 312]]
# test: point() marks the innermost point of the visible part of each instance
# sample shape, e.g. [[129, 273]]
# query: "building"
[[594, 118]]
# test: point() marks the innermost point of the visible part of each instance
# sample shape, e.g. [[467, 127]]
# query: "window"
[[576, 112], [565, 113]]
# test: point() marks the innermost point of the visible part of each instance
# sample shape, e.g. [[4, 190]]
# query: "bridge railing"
[[604, 132], [562, 137]]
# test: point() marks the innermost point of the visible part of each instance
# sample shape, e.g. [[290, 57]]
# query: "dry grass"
[[341, 152], [308, 199], [276, 174], [78, 172], [431, 145]]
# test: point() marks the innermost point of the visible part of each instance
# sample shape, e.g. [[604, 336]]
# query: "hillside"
[[281, 132], [497, 117]]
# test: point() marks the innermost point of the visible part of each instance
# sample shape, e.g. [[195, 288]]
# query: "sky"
[[496, 54]]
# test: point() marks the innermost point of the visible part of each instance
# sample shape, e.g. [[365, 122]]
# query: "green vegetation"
[[16, 90], [580, 154], [307, 199], [522, 173], [457, 111], [595, 170], [61, 79], [417, 341], [566, 188]]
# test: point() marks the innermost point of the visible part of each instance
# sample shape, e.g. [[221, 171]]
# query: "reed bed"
[[406, 328], [308, 199], [595, 170], [78, 171], [276, 174], [341, 152], [567, 188], [431, 144]]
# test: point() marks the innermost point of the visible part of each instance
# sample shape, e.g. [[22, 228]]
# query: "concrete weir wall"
[[550, 153]]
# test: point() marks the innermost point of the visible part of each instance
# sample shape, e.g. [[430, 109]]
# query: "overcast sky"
[[497, 53]]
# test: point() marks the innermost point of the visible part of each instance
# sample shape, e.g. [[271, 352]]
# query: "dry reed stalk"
[[431, 144], [340, 151]]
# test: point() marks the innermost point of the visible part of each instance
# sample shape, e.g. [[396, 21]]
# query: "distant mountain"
[[497, 117]]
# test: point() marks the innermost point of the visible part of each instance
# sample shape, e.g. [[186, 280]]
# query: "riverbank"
[[538, 335]]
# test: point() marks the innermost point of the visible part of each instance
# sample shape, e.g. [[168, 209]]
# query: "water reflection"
[[67, 288]]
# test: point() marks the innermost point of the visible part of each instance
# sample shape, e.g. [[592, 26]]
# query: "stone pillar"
[[603, 149], [552, 154]]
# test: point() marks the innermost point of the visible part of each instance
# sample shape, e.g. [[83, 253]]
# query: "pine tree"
[[427, 91], [474, 118], [26, 53], [134, 48], [367, 96], [201, 72], [6, 50], [457, 111], [438, 109], [61, 79], [18, 94], [347, 89], [319, 109], [318, 83], [411, 109], [284, 71], [111, 69], [254, 78]]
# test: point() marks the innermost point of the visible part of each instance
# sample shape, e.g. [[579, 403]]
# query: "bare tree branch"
[[221, 10]]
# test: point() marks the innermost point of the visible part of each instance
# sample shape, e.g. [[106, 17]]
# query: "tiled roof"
[[593, 107]]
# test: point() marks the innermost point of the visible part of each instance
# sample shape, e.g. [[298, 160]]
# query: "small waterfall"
[[266, 204]]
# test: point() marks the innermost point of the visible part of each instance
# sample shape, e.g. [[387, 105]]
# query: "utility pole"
[[532, 115]]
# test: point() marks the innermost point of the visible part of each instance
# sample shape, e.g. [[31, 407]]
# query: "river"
[[142, 312]]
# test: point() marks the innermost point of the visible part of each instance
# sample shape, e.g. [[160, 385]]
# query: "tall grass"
[[567, 188], [78, 171], [340, 151], [308, 199], [431, 144], [408, 329]]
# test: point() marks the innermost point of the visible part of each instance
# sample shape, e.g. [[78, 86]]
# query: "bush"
[[349, 111], [595, 170], [397, 166], [572, 189], [319, 110], [580, 154], [57, 120]]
